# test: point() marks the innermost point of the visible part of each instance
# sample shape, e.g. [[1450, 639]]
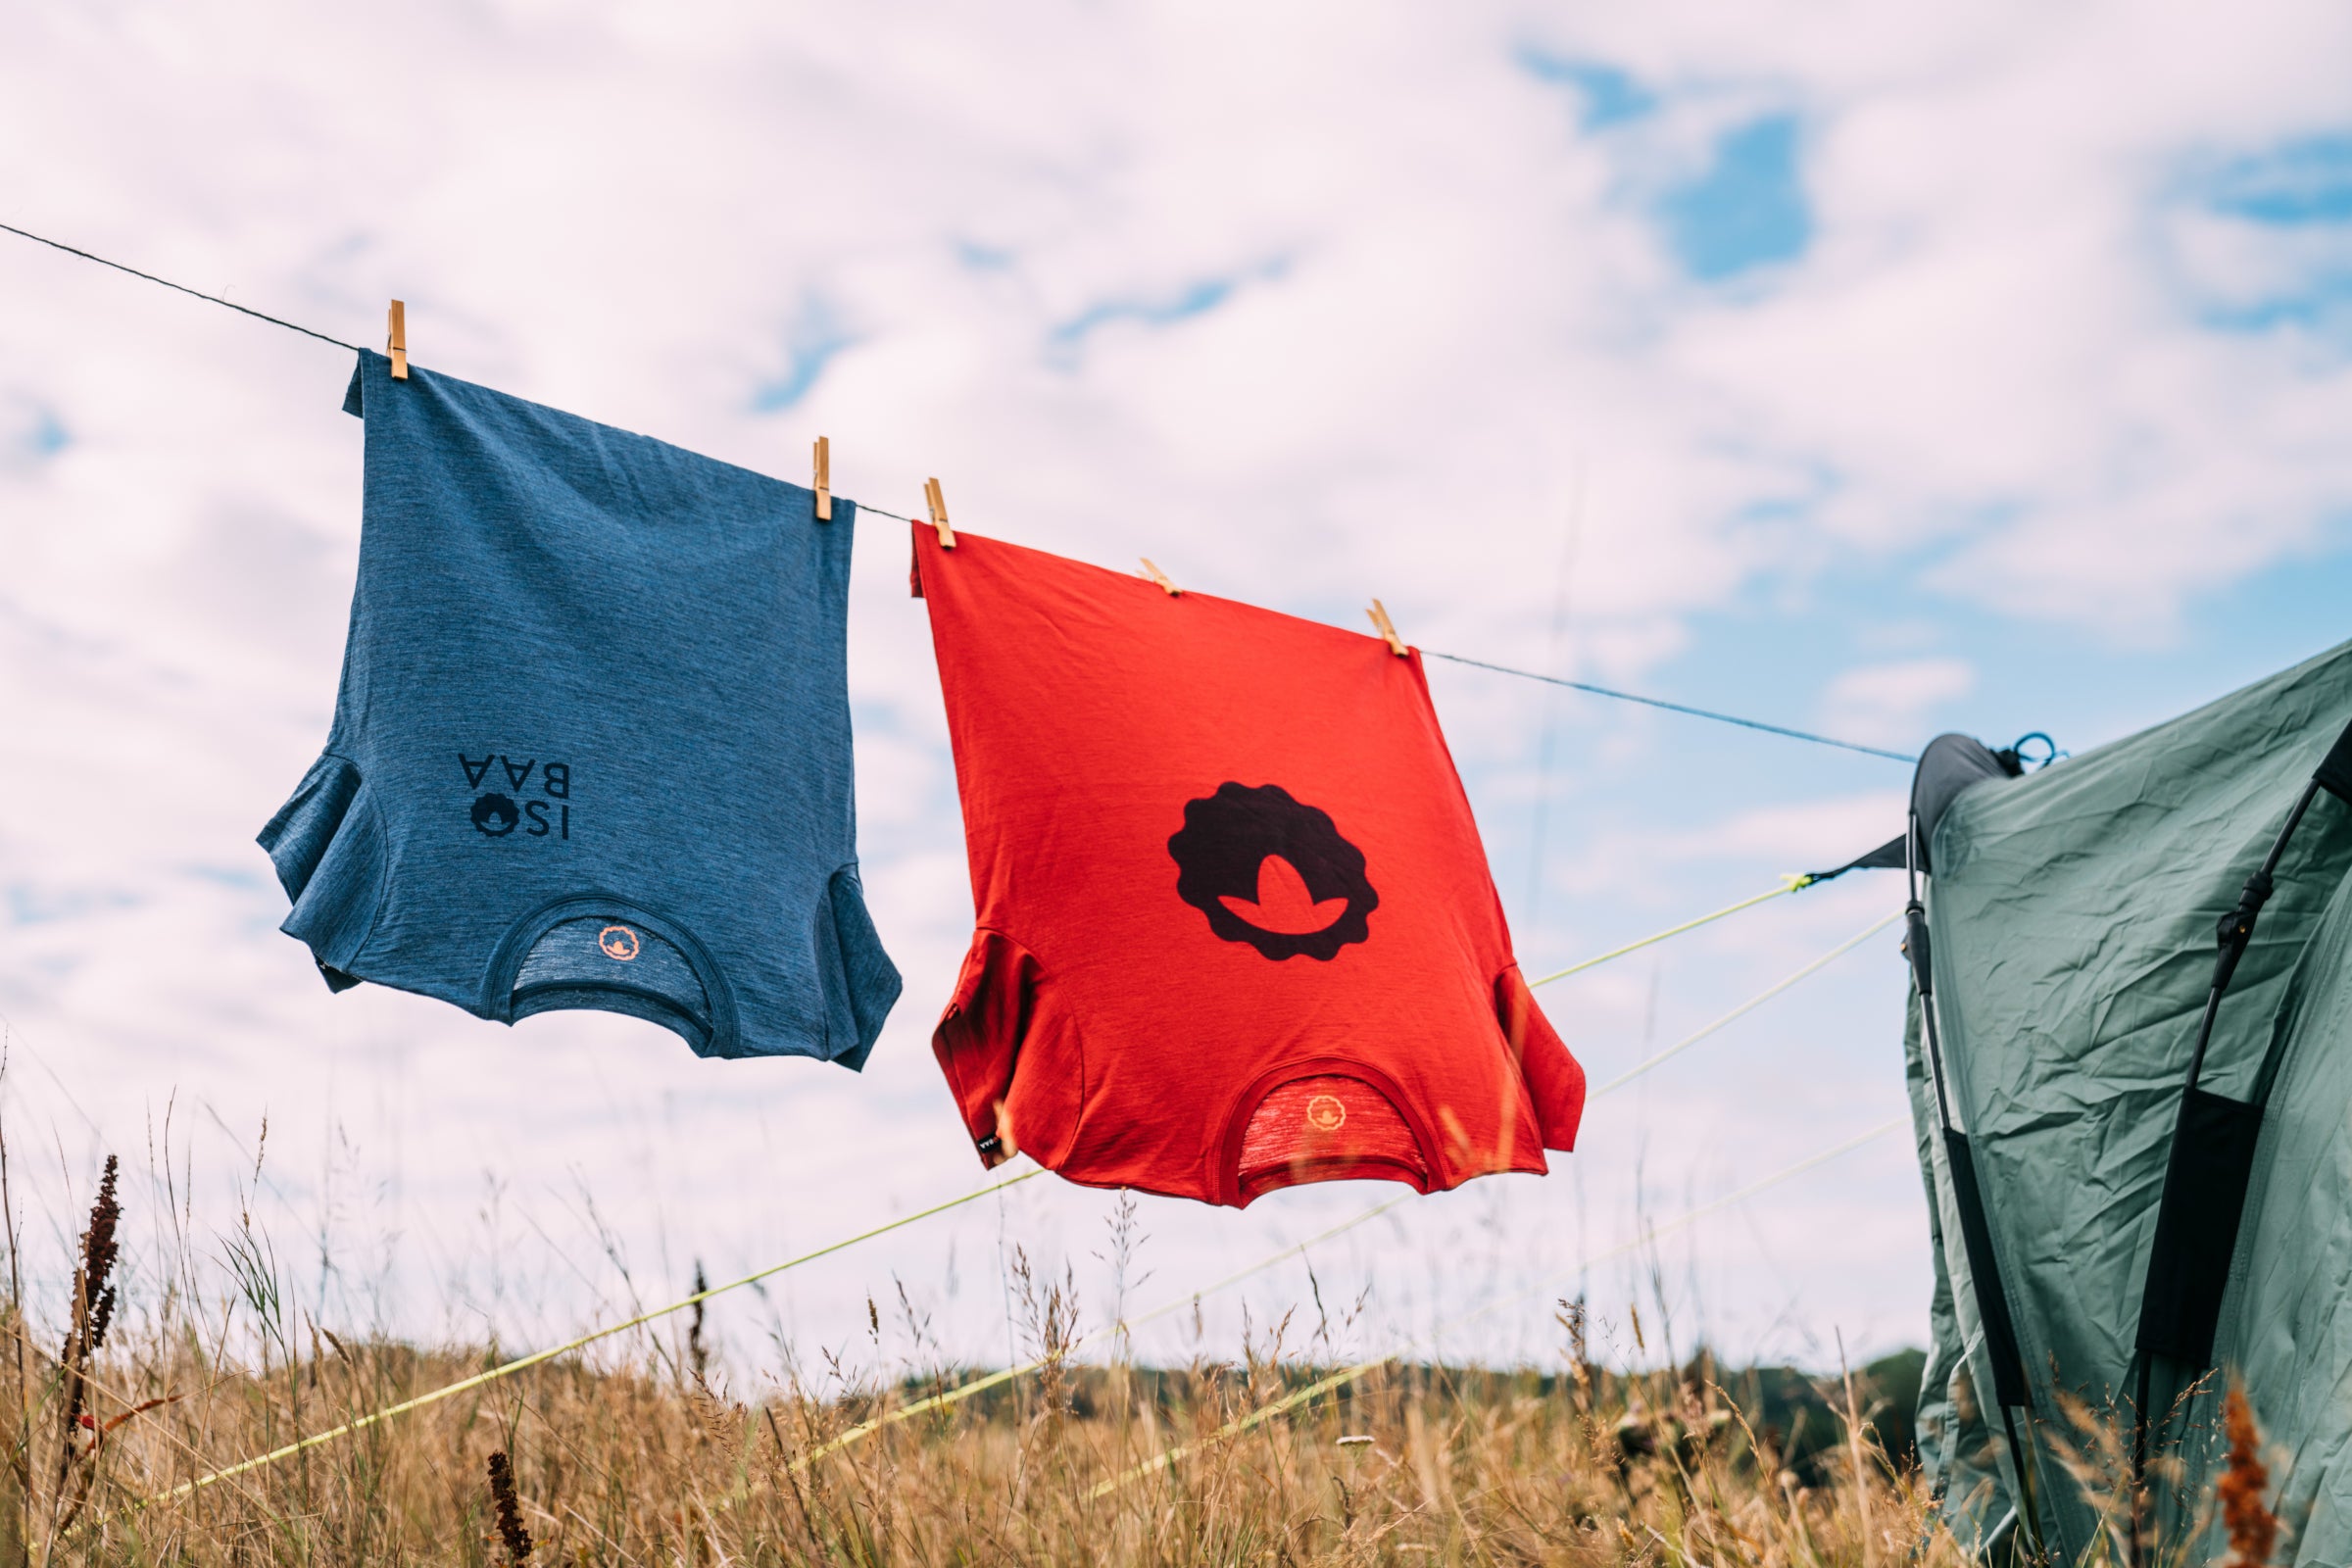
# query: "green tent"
[[2107, 1240]]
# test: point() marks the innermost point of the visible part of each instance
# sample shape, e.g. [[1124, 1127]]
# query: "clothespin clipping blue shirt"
[[396, 339]]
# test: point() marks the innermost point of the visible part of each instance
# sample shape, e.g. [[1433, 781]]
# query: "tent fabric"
[[2071, 914]]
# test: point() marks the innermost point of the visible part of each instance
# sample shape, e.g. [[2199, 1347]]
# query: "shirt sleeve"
[[978, 1041], [1555, 1079]]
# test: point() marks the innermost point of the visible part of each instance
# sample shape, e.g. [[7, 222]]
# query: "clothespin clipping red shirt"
[[1160, 578], [396, 339], [825, 480], [1387, 628], [938, 502]]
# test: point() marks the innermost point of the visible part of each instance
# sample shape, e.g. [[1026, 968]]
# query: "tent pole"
[[2010, 1388]]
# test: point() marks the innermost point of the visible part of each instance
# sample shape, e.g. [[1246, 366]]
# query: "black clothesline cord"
[[1680, 707], [216, 298], [1480, 663]]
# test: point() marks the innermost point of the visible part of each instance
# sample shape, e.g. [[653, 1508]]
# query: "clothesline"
[[214, 299], [1586, 687], [950, 1397], [1679, 708]]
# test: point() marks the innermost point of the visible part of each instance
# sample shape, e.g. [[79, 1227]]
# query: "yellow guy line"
[[1322, 1386], [509, 1368], [962, 1392], [1791, 882], [1747, 1006]]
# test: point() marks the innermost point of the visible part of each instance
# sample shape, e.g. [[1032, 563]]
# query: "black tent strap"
[[2203, 1203], [1678, 708], [2334, 774], [2009, 1387], [1887, 856]]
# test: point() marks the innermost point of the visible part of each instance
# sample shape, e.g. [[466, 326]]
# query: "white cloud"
[[1888, 704], [1986, 373]]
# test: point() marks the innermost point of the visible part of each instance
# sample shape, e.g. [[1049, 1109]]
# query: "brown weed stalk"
[[2253, 1527], [93, 1312], [508, 1508]]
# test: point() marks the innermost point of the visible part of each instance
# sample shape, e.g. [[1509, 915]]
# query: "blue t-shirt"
[[592, 745]]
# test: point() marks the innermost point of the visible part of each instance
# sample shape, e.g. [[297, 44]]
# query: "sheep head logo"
[[495, 815], [1273, 872]]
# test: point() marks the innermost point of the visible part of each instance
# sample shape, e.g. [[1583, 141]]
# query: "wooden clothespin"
[[825, 480], [1387, 628], [396, 339], [1160, 578], [939, 513]]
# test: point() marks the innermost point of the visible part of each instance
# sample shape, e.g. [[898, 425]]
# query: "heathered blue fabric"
[[592, 744]]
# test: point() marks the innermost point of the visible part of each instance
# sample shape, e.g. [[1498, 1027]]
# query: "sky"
[[1879, 372]]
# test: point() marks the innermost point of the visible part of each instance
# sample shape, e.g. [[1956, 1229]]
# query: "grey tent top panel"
[[1950, 765]]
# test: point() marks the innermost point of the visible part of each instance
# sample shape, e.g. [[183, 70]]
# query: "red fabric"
[[1326, 1128], [1222, 864]]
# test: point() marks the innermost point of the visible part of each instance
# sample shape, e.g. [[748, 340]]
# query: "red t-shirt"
[[1236, 929]]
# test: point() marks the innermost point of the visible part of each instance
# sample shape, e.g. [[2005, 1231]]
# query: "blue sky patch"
[[1610, 96], [2287, 261], [2302, 182], [1747, 209], [1196, 299], [1182, 305], [815, 336], [243, 878], [978, 257], [2323, 305], [41, 434], [28, 902]]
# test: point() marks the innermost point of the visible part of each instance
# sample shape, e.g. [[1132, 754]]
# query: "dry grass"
[[652, 1467], [658, 1459]]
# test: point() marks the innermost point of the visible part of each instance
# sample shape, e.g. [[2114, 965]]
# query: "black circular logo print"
[[495, 815], [1272, 871]]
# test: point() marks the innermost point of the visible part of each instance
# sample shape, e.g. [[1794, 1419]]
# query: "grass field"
[[655, 1452], [210, 1422], [656, 1466]]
